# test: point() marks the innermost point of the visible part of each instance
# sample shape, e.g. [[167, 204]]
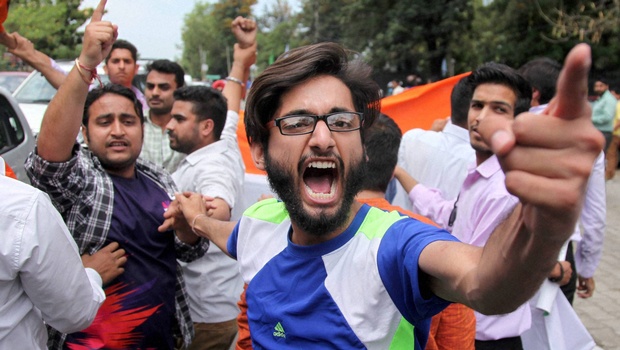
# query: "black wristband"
[[558, 279]]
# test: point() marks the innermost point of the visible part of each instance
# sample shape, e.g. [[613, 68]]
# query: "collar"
[[457, 131], [489, 167], [218, 146]]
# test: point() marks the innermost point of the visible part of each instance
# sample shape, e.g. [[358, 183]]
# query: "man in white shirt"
[[41, 275], [204, 126]]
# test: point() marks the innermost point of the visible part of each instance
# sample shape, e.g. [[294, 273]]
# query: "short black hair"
[[124, 44], [207, 103], [542, 73], [168, 67], [603, 80], [460, 98], [501, 74], [95, 94], [381, 140]]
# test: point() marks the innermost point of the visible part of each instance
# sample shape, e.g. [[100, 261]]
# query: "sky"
[[154, 26]]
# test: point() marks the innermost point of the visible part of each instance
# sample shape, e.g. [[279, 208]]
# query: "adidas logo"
[[279, 331]]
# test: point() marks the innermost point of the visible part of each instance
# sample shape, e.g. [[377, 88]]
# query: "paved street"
[[601, 313]]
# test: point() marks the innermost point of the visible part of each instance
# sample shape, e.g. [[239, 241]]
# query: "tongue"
[[319, 184]]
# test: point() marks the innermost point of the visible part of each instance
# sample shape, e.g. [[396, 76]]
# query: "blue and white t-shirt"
[[357, 291]]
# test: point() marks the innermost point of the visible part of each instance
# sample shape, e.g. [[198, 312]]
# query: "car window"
[[11, 82], [35, 90], [11, 130]]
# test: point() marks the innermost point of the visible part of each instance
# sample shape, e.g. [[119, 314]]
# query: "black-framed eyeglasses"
[[306, 123]]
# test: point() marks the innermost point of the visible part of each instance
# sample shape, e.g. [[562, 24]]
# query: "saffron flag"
[[4, 12], [419, 106], [416, 107]]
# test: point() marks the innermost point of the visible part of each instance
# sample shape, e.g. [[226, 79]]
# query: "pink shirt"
[[483, 203]]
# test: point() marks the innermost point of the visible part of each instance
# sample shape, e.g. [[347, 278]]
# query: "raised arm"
[[244, 57], [533, 152], [63, 117]]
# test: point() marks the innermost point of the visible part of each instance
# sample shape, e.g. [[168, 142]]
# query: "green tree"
[[399, 37], [52, 26], [279, 29], [206, 35]]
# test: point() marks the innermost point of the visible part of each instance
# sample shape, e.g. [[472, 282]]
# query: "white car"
[[35, 93]]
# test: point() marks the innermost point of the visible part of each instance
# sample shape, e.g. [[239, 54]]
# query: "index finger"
[[98, 13], [570, 101]]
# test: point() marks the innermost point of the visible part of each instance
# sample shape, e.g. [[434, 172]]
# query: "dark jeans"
[[513, 343], [608, 136]]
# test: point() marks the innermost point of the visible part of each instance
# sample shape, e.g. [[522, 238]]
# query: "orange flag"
[[417, 107], [4, 12]]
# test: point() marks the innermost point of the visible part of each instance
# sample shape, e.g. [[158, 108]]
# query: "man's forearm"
[[513, 264], [215, 230], [42, 63]]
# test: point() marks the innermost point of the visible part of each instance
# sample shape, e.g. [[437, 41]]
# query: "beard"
[[163, 110], [182, 145], [283, 184]]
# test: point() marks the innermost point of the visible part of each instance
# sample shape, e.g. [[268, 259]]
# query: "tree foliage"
[[206, 35], [430, 38], [52, 26], [397, 36]]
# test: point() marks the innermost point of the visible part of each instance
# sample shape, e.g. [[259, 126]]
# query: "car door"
[[16, 140]]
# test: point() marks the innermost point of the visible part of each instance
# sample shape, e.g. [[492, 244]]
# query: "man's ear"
[[205, 127], [85, 134], [535, 97], [258, 155]]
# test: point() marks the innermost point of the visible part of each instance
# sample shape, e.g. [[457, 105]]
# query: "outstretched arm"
[[24, 49], [63, 117], [406, 180], [190, 209], [533, 151]]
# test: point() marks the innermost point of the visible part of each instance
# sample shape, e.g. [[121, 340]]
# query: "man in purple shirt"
[[483, 202]]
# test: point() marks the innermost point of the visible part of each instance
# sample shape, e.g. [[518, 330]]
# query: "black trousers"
[[513, 343], [570, 288]]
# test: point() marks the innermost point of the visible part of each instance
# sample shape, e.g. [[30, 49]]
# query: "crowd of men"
[[128, 240]]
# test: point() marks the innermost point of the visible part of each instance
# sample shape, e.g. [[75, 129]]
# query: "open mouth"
[[117, 144], [319, 179]]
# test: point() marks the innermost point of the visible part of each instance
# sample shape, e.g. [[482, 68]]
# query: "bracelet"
[[235, 80], [194, 223], [558, 279], [91, 71]]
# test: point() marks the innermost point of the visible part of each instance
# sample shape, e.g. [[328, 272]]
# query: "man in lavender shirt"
[[483, 202]]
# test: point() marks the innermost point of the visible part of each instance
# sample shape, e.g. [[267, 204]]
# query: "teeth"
[[322, 165], [329, 195]]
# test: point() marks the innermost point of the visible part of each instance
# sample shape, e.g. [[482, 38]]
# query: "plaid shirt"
[[83, 193]]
